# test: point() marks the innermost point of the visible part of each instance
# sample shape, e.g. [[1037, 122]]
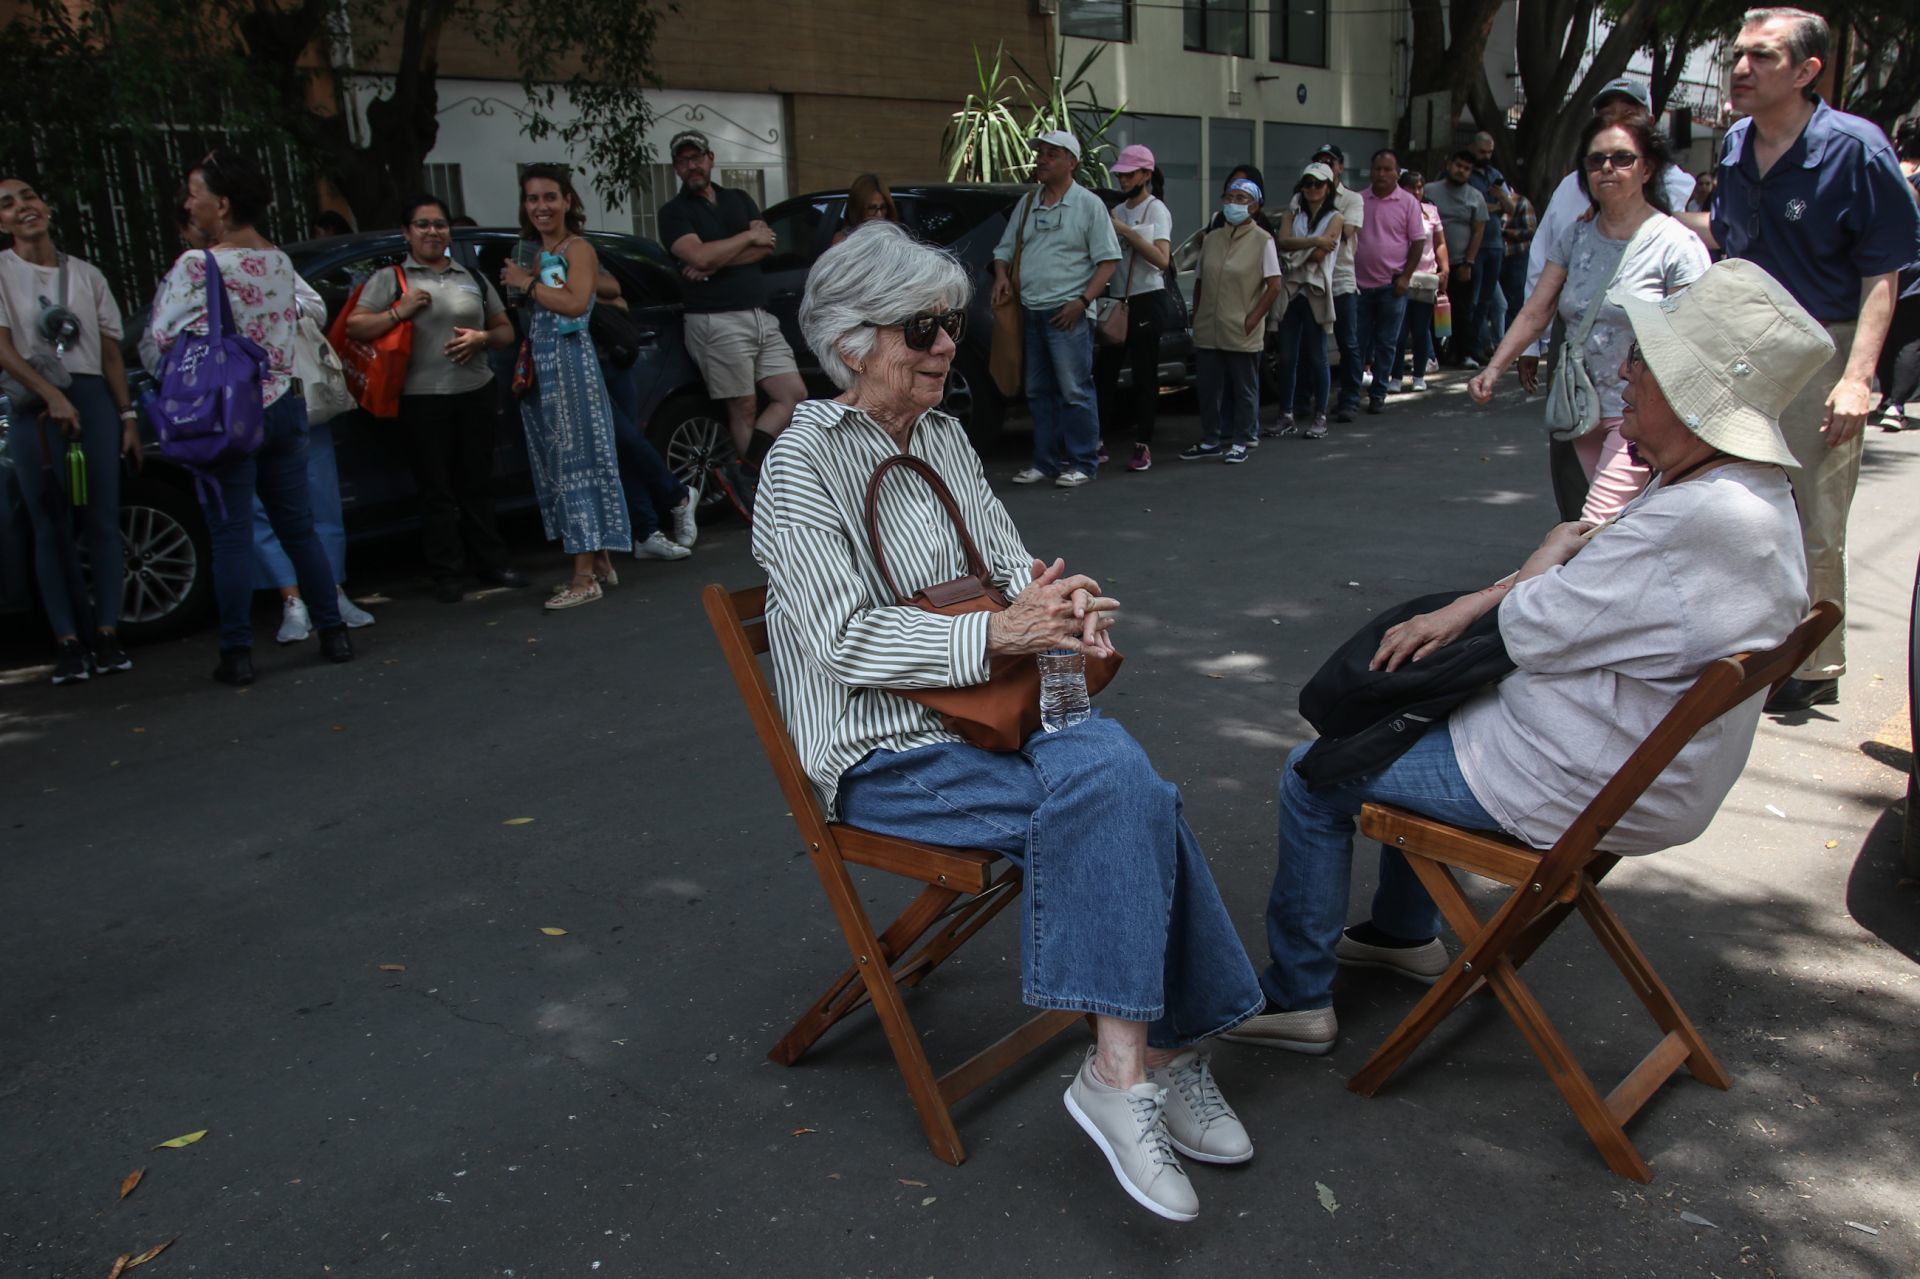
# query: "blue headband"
[[1250, 187]]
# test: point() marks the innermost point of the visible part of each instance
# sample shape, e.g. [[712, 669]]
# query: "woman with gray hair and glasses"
[[1133, 931]]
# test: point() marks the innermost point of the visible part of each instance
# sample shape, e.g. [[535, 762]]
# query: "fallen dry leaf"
[[393, 968], [1325, 1194], [908, 1181], [133, 1179], [178, 1142], [1833, 843], [554, 932], [339, 728], [119, 1264], [800, 1132], [151, 1253], [517, 821], [929, 1199]]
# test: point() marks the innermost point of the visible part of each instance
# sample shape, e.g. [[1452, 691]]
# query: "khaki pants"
[[1823, 487]]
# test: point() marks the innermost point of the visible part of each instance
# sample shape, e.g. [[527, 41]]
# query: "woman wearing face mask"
[[57, 311], [447, 400], [1307, 283], [1234, 285], [1144, 226], [568, 417]]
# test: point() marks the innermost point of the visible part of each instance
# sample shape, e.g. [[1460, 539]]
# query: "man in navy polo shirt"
[[1816, 198]]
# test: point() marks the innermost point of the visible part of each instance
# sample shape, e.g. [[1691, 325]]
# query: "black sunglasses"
[[1620, 160], [921, 328]]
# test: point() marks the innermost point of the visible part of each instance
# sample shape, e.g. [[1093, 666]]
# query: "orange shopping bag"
[[376, 369]]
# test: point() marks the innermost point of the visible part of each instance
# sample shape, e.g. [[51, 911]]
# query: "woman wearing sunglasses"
[[1133, 932], [1631, 247]]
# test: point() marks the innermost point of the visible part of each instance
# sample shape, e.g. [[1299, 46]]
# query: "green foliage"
[[987, 140]]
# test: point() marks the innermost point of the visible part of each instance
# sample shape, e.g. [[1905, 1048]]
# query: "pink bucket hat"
[[1132, 159]]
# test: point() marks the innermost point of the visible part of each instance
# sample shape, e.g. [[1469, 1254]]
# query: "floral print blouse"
[[261, 289]]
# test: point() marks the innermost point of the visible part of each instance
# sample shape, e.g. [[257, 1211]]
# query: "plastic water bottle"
[[1063, 690]]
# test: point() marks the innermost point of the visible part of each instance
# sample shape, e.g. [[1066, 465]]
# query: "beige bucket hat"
[[1730, 353]]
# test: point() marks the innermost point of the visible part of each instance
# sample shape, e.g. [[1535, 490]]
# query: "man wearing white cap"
[[1816, 197], [1605, 635], [1064, 238]]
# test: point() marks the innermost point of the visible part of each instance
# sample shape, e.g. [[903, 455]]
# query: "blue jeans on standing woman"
[[649, 483], [1307, 909], [1353, 356], [40, 468], [1382, 311], [1060, 393], [1119, 915], [272, 569], [1416, 332], [277, 476], [1303, 342]]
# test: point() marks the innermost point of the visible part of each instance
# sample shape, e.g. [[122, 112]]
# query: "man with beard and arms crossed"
[[720, 239]]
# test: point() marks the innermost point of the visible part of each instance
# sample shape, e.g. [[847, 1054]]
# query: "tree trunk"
[[1449, 53], [1552, 40]]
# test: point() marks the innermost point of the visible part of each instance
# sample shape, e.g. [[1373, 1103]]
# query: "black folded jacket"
[[1367, 719]]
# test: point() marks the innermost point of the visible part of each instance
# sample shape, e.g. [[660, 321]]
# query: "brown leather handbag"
[[1002, 713], [1006, 354]]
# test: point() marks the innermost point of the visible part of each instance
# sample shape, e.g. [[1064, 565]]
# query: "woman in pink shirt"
[[1417, 329]]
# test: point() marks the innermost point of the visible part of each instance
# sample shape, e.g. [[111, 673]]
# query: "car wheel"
[[973, 399], [691, 434], [168, 589]]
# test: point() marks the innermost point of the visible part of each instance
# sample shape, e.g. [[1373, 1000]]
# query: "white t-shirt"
[[1665, 258], [22, 285], [1568, 203], [1606, 643], [1155, 221]]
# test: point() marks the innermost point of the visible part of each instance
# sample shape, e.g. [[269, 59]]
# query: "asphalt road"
[[205, 889]]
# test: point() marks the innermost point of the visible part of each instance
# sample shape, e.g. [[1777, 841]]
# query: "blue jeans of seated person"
[[1060, 393], [40, 469], [1382, 312], [1119, 915], [1303, 342], [1308, 907], [277, 476], [651, 487], [271, 567]]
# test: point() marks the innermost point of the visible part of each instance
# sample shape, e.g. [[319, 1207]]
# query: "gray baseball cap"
[[1624, 87], [687, 138]]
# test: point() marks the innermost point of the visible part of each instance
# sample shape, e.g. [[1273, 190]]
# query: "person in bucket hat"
[[1606, 625]]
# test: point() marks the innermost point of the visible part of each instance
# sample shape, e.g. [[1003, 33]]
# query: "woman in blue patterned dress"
[[568, 418]]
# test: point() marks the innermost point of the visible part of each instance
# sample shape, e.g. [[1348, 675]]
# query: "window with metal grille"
[[444, 181]]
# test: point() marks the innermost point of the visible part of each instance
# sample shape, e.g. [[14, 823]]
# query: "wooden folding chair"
[[1548, 887], [882, 964]]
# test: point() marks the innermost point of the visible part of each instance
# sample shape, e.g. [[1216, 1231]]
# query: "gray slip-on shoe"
[[1126, 1124], [1306, 1030], [1425, 964]]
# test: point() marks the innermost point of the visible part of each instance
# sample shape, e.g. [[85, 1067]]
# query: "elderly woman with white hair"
[[1120, 918]]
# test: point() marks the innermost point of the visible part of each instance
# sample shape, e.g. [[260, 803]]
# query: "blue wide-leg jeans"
[[1308, 907], [1119, 915], [1061, 393]]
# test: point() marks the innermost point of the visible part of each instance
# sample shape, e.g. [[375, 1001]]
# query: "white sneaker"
[[1072, 479], [685, 533], [295, 625], [657, 547], [1032, 475], [1126, 1124], [1200, 1123], [1366, 377], [1419, 384], [350, 613], [1406, 385]]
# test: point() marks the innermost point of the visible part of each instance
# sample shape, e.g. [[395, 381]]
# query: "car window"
[[643, 282], [800, 233], [932, 220], [336, 283]]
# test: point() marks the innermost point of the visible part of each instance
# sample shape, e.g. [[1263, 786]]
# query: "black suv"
[[968, 220]]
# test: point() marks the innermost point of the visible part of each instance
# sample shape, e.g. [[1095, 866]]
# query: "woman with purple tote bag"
[[254, 303]]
